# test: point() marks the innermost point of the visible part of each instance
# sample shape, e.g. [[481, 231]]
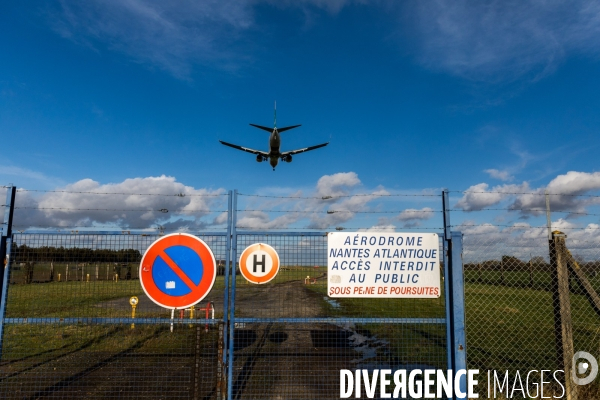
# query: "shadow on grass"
[[84, 346], [74, 378]]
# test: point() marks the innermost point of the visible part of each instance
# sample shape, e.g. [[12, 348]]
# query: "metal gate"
[[68, 331]]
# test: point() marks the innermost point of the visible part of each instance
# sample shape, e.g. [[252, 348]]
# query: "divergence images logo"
[[590, 364]]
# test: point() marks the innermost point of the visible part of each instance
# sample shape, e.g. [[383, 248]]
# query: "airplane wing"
[[291, 153], [246, 149]]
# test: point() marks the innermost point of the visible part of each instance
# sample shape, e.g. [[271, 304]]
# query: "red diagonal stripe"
[[177, 270]]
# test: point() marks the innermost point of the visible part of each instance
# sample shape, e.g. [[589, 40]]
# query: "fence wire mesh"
[[510, 290], [292, 340], [68, 331]]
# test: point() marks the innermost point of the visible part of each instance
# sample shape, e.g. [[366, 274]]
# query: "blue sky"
[[415, 96]]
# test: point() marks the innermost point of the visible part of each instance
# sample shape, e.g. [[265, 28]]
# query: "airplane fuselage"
[[274, 145]]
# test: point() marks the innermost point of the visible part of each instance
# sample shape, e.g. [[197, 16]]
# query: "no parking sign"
[[177, 271]]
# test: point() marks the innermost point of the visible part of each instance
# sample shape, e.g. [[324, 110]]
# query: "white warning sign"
[[367, 264]]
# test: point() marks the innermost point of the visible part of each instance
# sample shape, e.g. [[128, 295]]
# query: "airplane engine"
[[287, 158], [259, 158]]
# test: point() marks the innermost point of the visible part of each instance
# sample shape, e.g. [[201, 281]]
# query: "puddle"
[[364, 343], [332, 302], [330, 338], [278, 337]]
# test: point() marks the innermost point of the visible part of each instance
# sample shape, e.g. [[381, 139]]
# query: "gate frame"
[[454, 298], [5, 248]]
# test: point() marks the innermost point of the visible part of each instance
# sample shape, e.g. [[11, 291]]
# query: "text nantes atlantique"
[[395, 266]]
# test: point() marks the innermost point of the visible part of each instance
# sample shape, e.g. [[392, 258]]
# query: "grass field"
[[509, 326], [540, 280], [506, 326]]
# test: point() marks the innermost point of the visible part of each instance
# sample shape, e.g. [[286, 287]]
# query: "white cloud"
[[170, 35], [564, 191], [567, 193], [136, 203], [334, 200], [380, 228], [498, 174], [163, 203], [260, 220], [337, 184], [478, 196], [490, 242], [27, 174], [342, 210], [472, 39], [412, 217], [491, 40], [413, 214]]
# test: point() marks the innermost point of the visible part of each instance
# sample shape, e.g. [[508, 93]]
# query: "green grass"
[[539, 280], [78, 299], [509, 327], [409, 343], [66, 299], [512, 328]]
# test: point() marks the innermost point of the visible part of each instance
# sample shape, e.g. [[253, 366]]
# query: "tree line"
[[511, 263], [26, 253]]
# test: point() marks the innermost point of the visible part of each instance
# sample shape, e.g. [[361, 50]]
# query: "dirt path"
[[284, 300], [287, 361]]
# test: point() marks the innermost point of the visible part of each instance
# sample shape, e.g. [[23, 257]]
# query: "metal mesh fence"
[[510, 289], [292, 340], [68, 331]]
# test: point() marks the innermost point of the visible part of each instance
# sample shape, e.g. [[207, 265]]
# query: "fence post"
[[457, 308], [5, 249], [563, 327], [446, 207], [224, 329], [232, 297], [447, 287], [454, 286], [9, 210]]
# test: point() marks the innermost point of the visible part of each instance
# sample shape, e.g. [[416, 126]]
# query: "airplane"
[[274, 155]]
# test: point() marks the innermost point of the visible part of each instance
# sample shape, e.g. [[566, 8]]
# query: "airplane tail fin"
[[264, 128]]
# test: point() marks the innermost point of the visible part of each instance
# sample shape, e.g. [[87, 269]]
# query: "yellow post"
[[87, 278], [59, 277], [133, 301], [116, 278], [192, 309]]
